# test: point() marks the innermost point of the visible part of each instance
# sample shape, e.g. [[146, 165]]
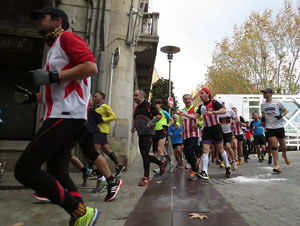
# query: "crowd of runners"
[[199, 135], [209, 133]]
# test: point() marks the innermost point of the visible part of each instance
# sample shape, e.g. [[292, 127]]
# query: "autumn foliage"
[[263, 52]]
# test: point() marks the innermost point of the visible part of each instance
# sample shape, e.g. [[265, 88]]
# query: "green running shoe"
[[171, 167], [89, 219], [101, 186]]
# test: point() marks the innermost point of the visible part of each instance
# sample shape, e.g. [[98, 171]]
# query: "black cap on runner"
[[54, 12], [268, 90]]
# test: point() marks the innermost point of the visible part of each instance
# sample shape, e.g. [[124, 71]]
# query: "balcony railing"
[[149, 24]]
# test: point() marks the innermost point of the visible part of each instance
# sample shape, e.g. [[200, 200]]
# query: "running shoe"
[[222, 165], [86, 175], [119, 169], [144, 181], [261, 160], [187, 166], [93, 175], [240, 162], [193, 176], [162, 168], [171, 167], [228, 172], [277, 169], [2, 168], [203, 175], [89, 219], [112, 189], [100, 187], [234, 166], [156, 170], [270, 160], [287, 161], [40, 197]]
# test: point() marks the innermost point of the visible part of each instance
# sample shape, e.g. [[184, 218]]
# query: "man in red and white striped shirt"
[[212, 130], [238, 135], [190, 133]]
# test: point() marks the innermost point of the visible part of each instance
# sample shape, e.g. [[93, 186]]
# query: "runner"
[[238, 134], [272, 113], [226, 121], [159, 139], [101, 141], [248, 144], [175, 133], [212, 131], [65, 91], [190, 134], [145, 118], [259, 138]]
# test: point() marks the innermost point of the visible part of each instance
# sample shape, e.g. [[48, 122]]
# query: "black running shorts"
[[259, 140], [100, 138], [279, 133], [239, 137], [227, 137], [212, 133]]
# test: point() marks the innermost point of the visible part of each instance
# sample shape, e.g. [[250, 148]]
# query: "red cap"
[[205, 90]]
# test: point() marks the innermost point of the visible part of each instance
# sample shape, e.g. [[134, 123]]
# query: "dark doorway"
[[19, 54], [21, 50]]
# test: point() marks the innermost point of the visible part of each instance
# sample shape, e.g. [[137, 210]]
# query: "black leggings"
[[190, 150], [87, 144], [52, 144], [145, 144]]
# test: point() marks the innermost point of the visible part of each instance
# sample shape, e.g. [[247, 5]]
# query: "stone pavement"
[[19, 205], [260, 197]]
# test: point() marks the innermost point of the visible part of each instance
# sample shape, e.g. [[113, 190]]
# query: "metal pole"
[[169, 139], [170, 83], [111, 78]]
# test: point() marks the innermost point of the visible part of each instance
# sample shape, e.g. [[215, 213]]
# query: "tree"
[[263, 52], [160, 90]]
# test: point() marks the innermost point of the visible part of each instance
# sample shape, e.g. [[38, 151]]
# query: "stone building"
[[122, 34]]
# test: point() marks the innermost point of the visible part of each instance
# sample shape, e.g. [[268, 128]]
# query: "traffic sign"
[[170, 102]]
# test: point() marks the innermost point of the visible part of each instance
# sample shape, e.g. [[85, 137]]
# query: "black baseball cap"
[[268, 90], [54, 12]]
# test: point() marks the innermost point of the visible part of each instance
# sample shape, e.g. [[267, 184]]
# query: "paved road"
[[172, 198], [260, 197]]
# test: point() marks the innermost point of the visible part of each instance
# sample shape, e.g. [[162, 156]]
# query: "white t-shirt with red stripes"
[[67, 99], [189, 126], [237, 128]]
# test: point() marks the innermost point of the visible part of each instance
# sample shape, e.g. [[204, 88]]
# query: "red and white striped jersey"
[[209, 120], [237, 129], [67, 99], [188, 125]]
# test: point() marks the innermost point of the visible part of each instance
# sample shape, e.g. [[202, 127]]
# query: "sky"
[[195, 26]]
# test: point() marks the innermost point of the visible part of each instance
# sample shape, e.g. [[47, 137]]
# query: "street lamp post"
[[170, 50]]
